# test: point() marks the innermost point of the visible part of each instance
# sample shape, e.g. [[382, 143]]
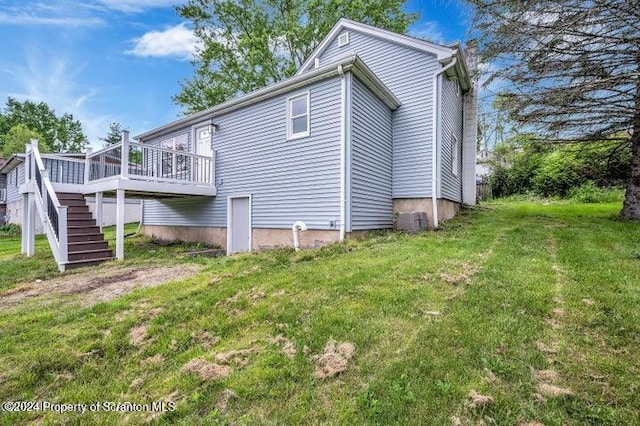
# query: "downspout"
[[434, 148], [343, 152]]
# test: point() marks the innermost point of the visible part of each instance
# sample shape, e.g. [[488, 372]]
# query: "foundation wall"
[[209, 235], [14, 215], [3, 212], [446, 209], [262, 238]]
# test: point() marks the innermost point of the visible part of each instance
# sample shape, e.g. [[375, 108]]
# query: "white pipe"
[[343, 152], [296, 228], [434, 135]]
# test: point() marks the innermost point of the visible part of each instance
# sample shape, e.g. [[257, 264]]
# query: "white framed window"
[[173, 163], [298, 116], [455, 156]]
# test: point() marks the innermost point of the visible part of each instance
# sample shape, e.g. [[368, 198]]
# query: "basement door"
[[238, 223]]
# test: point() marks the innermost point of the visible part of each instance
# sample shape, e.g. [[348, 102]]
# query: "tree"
[[16, 139], [61, 134], [114, 136], [248, 44], [570, 69]]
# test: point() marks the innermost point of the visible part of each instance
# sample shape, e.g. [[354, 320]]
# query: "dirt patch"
[[224, 398], [205, 339], [549, 349], [138, 335], [588, 301], [240, 357], [288, 348], [206, 370], [477, 400], [136, 384], [463, 277], [532, 424], [153, 360], [17, 290], [551, 391], [255, 295], [545, 375], [100, 285], [334, 359]]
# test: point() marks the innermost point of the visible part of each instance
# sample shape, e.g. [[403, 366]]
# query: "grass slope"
[[535, 306]]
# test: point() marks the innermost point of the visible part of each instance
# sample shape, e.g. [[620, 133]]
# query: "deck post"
[[25, 223], [31, 224], [120, 224], [87, 165], [124, 155], [98, 207]]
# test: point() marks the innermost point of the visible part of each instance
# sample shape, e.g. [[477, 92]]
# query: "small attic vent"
[[343, 39]]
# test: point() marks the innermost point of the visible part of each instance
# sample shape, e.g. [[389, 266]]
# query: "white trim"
[[291, 117], [422, 45], [343, 154], [455, 156], [230, 220]]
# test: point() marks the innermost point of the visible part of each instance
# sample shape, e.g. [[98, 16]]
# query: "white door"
[[203, 168], [238, 224]]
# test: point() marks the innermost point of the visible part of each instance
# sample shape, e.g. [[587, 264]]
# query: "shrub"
[[10, 230], [590, 193]]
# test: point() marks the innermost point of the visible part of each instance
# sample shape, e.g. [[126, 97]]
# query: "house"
[[374, 125], [3, 194]]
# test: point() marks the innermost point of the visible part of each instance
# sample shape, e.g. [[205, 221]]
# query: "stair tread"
[[91, 251]]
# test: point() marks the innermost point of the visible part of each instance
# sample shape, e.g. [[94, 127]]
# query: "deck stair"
[[86, 243]]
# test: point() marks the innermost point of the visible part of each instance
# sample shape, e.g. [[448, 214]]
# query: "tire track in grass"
[[549, 378]]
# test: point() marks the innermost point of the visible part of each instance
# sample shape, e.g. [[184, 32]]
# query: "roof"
[[444, 53], [350, 63], [11, 163]]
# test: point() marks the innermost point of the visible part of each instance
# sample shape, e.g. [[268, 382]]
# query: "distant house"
[[374, 125], [3, 194]]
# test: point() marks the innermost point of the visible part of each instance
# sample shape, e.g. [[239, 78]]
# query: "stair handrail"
[[52, 213]]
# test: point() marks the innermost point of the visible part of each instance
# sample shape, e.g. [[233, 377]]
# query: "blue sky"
[[122, 60]]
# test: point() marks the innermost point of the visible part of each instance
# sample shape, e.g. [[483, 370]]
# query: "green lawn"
[[515, 312]]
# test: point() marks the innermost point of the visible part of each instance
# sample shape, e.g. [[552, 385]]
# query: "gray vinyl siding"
[[289, 180], [13, 190], [408, 73], [451, 119], [371, 161]]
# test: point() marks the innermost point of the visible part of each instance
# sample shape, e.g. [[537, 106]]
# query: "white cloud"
[[58, 13], [136, 6], [177, 42], [427, 30]]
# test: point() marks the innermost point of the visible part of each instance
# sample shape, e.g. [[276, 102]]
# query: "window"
[[455, 157], [173, 163], [298, 116]]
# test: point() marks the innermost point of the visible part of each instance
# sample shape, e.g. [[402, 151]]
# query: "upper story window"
[[298, 116]]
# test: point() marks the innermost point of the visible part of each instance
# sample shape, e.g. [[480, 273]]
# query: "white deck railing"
[[52, 214], [3, 195], [138, 161]]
